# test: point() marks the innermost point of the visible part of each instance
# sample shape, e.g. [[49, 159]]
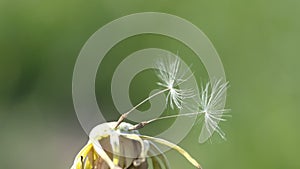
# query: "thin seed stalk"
[[124, 116], [144, 123]]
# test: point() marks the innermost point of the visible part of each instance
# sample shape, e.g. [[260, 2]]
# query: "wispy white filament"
[[170, 79], [211, 106], [168, 73]]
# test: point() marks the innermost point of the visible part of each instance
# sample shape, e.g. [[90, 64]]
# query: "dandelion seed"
[[168, 73], [211, 106]]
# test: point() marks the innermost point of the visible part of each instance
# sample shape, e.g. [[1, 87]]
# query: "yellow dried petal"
[[175, 147]]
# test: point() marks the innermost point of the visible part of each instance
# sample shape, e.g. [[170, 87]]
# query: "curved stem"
[[124, 116], [144, 123], [173, 116]]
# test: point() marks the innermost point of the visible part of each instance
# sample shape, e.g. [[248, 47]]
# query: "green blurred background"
[[258, 42]]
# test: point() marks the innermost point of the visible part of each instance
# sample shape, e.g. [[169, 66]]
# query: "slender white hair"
[[211, 106], [168, 73]]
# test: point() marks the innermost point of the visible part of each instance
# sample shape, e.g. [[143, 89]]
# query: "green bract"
[[110, 148]]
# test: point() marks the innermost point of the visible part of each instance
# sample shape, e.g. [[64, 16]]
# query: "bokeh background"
[[258, 42]]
